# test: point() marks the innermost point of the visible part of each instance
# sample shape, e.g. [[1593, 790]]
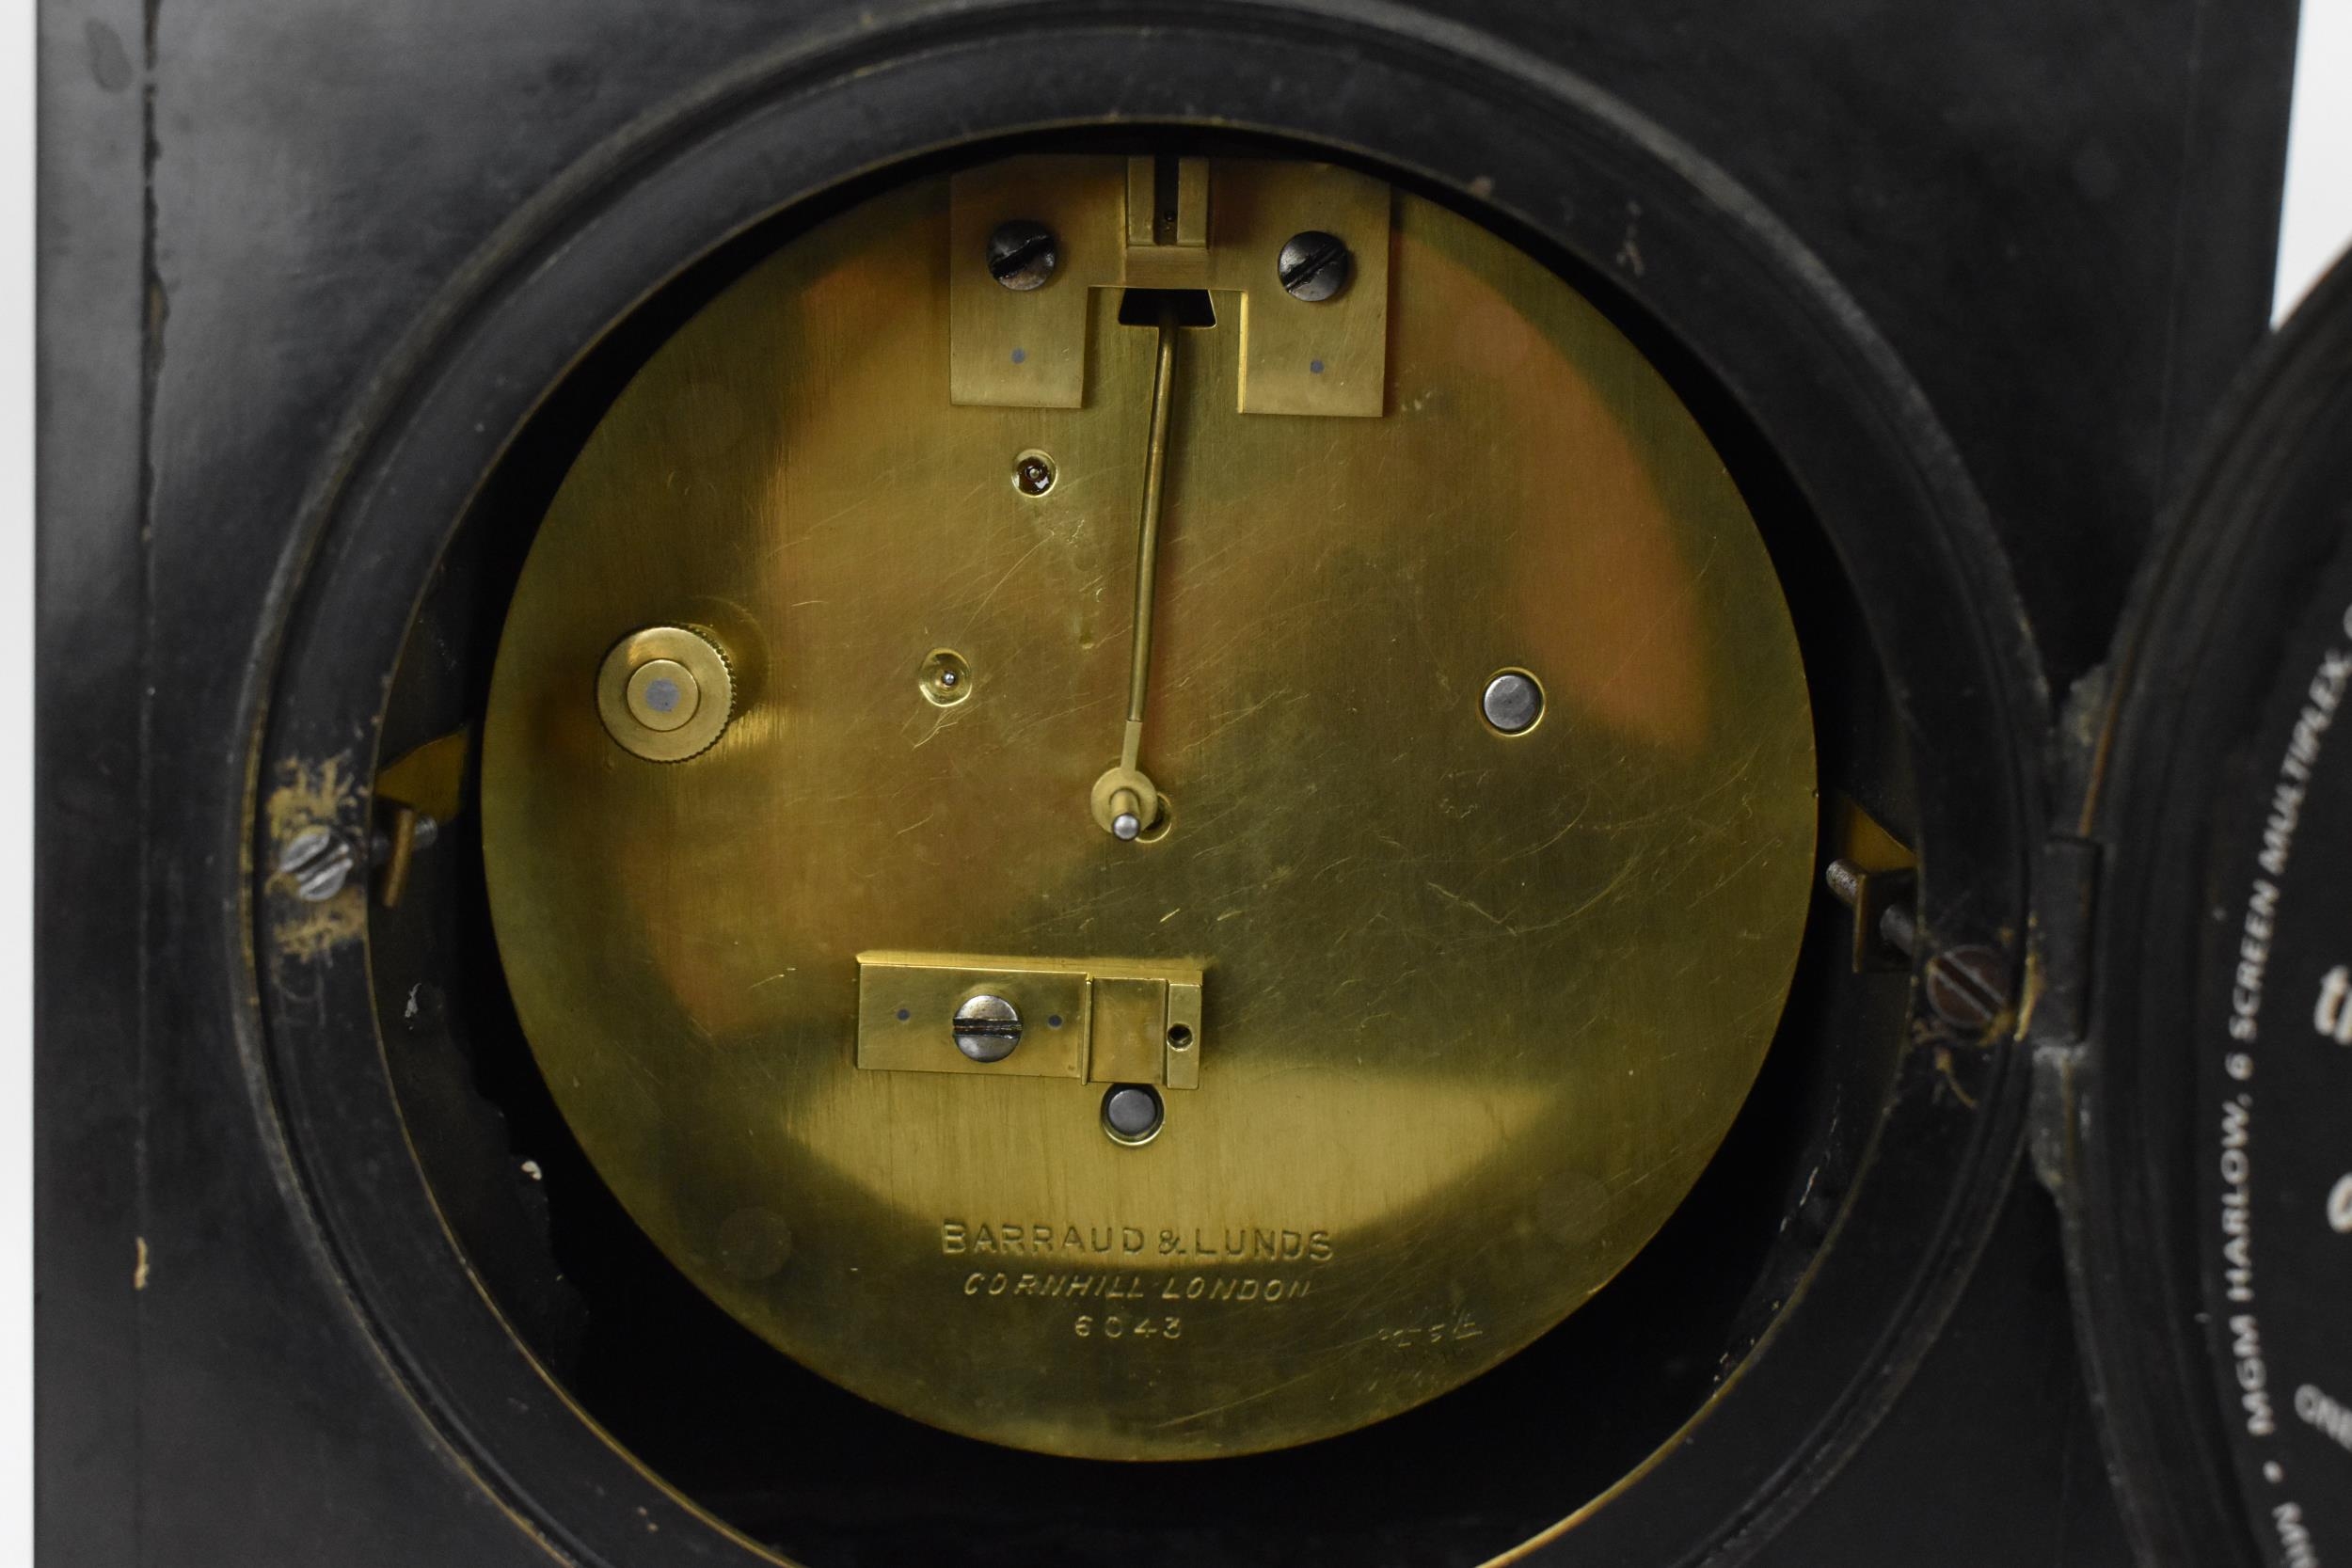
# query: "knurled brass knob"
[[665, 693]]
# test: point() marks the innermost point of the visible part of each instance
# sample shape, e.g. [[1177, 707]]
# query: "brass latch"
[[1100, 1021], [1100, 223]]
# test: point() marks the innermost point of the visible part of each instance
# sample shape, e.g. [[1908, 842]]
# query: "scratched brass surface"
[[1477, 1009]]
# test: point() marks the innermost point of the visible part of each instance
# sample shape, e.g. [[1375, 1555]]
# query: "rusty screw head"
[[1968, 987], [1314, 265], [1022, 254]]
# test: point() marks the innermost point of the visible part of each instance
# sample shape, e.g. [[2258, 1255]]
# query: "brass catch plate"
[[1476, 1007], [1097, 1021]]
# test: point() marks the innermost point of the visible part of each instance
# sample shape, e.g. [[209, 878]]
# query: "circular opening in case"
[[674, 1118]]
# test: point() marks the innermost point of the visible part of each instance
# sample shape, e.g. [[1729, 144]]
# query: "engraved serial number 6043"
[[1116, 1326]]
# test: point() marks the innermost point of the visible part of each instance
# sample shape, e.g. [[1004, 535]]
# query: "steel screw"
[[1314, 265], [1022, 254], [1967, 987], [320, 861], [987, 1028]]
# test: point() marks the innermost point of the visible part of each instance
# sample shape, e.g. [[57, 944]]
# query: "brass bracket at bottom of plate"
[[1100, 1021]]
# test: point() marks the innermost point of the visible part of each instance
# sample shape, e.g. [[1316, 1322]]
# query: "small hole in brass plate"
[[1133, 1113], [947, 678], [1160, 824], [1179, 1037], [1033, 473]]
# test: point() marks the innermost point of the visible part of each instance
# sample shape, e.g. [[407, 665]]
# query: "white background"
[[2317, 224]]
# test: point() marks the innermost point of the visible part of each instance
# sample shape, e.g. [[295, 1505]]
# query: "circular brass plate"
[[1476, 1010]]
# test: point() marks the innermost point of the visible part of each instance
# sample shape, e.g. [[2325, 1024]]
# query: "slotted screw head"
[[1967, 987], [319, 859], [1314, 265], [986, 1028], [1022, 254]]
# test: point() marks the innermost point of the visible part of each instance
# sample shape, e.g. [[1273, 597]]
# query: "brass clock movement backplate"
[[1165, 1046]]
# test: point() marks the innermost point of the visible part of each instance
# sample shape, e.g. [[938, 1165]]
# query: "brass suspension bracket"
[[1877, 875], [1100, 1021], [425, 789], [1221, 227]]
